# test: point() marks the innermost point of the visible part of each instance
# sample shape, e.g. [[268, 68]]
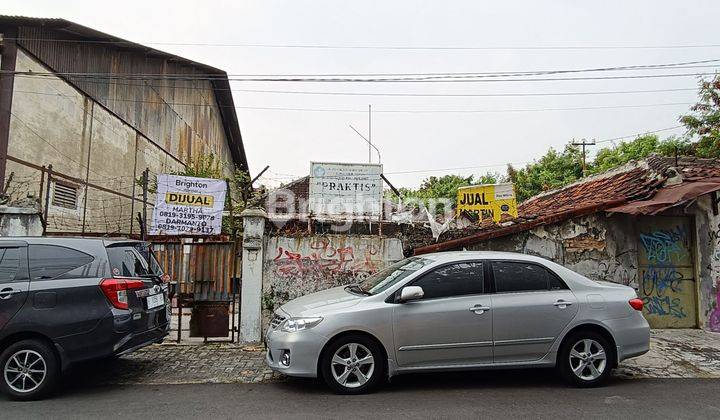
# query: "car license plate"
[[155, 300]]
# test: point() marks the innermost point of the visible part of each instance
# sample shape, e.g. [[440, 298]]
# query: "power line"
[[639, 134], [215, 76], [485, 166], [378, 47], [454, 169], [377, 80], [394, 94], [408, 111], [660, 66], [462, 111], [295, 92]]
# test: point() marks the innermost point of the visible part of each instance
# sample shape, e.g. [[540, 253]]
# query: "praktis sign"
[[351, 190]]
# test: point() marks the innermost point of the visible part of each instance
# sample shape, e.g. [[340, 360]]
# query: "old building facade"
[[652, 225], [101, 110]]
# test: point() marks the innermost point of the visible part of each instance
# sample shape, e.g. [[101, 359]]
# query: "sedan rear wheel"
[[352, 365], [585, 359]]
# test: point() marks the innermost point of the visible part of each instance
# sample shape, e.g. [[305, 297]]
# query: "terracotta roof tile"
[[634, 181]]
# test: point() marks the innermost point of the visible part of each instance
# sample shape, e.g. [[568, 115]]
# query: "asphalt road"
[[515, 394]]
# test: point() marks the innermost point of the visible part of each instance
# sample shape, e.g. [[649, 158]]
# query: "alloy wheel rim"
[[352, 365], [25, 371], [588, 359]]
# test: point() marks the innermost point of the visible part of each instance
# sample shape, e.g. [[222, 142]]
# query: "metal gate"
[[203, 269], [667, 273]]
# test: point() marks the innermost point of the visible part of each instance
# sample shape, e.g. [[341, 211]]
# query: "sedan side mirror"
[[410, 293]]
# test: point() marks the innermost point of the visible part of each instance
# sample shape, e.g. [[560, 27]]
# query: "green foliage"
[[640, 148], [240, 193], [611, 157], [704, 121], [445, 187], [551, 171], [203, 166]]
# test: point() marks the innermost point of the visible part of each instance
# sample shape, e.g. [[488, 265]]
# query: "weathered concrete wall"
[[54, 123], [180, 115], [20, 221], [708, 262], [596, 246], [606, 248], [296, 266]]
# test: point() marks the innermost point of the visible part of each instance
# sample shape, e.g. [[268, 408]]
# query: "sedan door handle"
[[562, 304], [8, 292], [479, 309]]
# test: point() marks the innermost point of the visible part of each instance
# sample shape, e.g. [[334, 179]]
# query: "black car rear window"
[[126, 262], [51, 261], [9, 264]]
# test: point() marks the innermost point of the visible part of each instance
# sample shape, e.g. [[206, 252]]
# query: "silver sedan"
[[454, 311]]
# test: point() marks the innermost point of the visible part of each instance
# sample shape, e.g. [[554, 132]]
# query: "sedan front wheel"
[[352, 364]]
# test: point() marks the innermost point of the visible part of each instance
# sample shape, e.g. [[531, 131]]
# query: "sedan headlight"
[[299, 324]]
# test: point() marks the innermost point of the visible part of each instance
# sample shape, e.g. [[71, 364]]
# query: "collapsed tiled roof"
[[690, 167], [631, 182]]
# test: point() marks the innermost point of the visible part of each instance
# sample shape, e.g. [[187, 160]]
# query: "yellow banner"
[[189, 199], [488, 201]]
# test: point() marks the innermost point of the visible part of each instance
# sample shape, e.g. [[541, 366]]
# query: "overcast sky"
[[421, 142]]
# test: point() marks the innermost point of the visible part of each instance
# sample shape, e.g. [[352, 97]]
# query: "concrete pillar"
[[20, 221], [252, 275]]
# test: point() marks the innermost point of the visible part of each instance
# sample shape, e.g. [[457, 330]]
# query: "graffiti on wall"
[[324, 261], [661, 246], [714, 318], [297, 266], [619, 269], [666, 277]]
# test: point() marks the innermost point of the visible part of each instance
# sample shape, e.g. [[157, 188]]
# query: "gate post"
[[252, 275]]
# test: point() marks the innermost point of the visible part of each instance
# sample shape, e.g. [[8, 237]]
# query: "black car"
[[65, 300]]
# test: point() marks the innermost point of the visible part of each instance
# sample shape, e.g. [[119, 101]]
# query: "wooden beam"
[[8, 57]]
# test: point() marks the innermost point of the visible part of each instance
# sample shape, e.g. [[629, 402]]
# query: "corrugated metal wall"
[[181, 116], [205, 269]]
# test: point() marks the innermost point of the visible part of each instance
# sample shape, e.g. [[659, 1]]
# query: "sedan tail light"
[[116, 290], [636, 304]]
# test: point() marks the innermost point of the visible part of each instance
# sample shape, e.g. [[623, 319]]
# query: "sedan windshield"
[[391, 275]]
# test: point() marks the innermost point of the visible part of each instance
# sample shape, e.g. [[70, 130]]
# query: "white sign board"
[[187, 205], [347, 189]]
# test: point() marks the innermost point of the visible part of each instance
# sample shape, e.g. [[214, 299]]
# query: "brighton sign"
[[188, 206]]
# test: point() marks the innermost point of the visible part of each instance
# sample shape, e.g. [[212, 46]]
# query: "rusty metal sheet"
[[669, 197], [210, 319], [205, 270]]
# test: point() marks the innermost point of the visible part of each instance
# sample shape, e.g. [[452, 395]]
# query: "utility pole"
[[583, 144], [146, 175], [369, 133]]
